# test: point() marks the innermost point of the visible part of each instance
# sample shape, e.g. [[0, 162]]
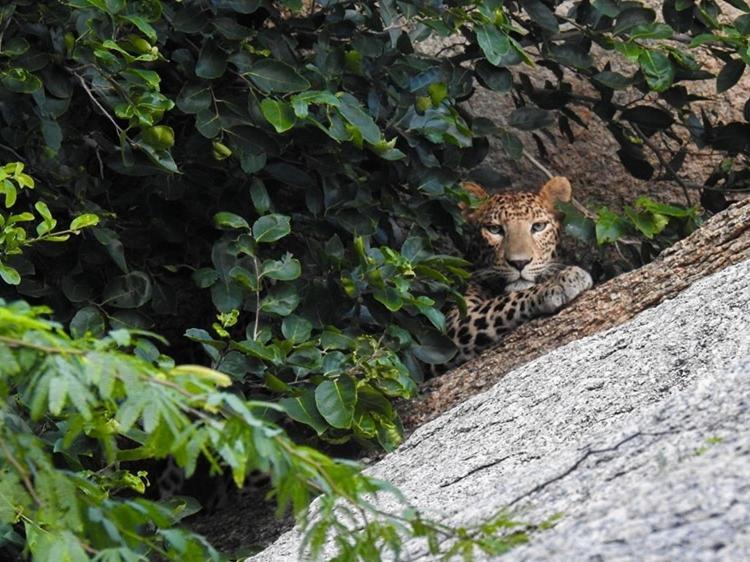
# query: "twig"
[[257, 298], [663, 162], [98, 104], [580, 207], [21, 472], [12, 151], [13, 342]]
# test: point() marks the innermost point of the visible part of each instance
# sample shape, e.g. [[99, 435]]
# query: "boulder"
[[638, 436]]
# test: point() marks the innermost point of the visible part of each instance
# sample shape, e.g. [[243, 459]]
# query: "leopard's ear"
[[477, 191], [556, 189]]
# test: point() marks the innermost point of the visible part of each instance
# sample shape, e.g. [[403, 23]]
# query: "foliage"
[[645, 229], [14, 236], [74, 411], [277, 181]]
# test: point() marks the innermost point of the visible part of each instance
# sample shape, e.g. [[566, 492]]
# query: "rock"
[[638, 436]]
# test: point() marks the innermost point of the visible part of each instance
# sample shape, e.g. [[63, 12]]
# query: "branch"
[[663, 162], [98, 104], [21, 472]]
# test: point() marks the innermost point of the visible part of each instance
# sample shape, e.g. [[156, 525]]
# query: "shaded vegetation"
[[273, 187]]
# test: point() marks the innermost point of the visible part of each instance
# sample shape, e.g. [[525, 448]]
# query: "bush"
[[277, 181]]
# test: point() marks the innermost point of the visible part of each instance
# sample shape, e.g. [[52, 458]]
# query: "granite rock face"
[[638, 436]]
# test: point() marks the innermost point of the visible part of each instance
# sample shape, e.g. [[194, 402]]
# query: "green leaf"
[[658, 69], [301, 102], [256, 349], [494, 78], [610, 226], [530, 118], [19, 80], [88, 320], [15, 47], [279, 114], [9, 275], [194, 97], [434, 349], [576, 224], [282, 301], [352, 111], [285, 269], [304, 410], [212, 61], [494, 44], [336, 399], [143, 26], [607, 7], [296, 329], [52, 133], [273, 76], [613, 80], [652, 206], [270, 228], [389, 297], [84, 221], [205, 277], [132, 290], [648, 223], [259, 195], [541, 15], [208, 123], [230, 221]]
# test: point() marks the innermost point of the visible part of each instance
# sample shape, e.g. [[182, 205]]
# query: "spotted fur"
[[517, 277]]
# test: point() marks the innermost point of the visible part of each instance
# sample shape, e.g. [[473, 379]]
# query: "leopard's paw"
[[563, 288], [573, 281]]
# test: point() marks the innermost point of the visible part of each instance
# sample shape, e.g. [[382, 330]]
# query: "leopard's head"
[[517, 233]]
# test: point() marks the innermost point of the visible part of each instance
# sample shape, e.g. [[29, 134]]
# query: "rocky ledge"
[[638, 436]]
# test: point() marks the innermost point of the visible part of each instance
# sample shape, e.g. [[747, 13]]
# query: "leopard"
[[516, 277]]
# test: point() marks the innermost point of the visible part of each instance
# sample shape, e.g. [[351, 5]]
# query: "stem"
[[98, 104], [13, 342], [21, 472], [577, 204], [257, 299], [663, 162]]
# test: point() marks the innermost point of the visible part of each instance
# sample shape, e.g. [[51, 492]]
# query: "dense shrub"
[[273, 187]]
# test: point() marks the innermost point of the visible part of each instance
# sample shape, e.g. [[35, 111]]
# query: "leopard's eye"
[[495, 229], [538, 226]]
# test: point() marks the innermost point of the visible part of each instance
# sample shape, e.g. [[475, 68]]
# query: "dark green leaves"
[[658, 69], [494, 44], [613, 80], [541, 15], [270, 228], [212, 61], [649, 119], [494, 78], [19, 80], [285, 269], [335, 400], [530, 118], [352, 111], [274, 76], [194, 97], [304, 410], [132, 290]]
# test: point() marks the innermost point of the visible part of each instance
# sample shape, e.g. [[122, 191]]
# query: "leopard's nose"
[[519, 264]]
